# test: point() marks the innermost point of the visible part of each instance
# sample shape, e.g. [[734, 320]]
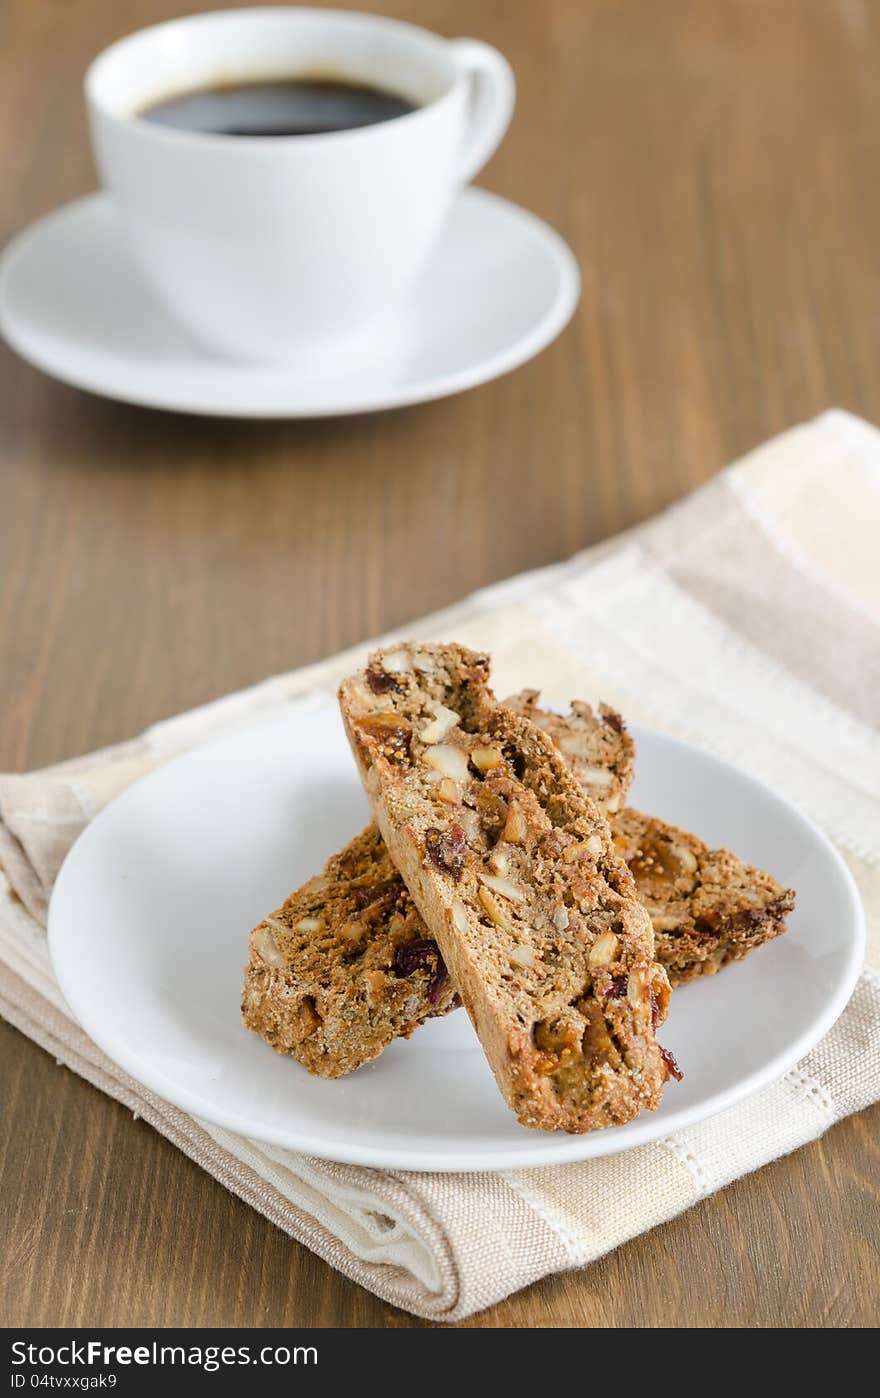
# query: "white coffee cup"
[[296, 247]]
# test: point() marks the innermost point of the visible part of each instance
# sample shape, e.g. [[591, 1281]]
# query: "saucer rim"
[[33, 349]]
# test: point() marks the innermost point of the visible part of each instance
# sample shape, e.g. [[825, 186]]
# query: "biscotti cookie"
[[514, 872], [707, 906], [345, 966]]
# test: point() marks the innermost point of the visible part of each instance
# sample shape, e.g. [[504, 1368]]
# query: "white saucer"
[[501, 287], [148, 933]]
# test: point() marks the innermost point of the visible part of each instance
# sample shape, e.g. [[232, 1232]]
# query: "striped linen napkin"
[[745, 619]]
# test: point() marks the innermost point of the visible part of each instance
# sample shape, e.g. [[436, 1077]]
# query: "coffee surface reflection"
[[283, 107]]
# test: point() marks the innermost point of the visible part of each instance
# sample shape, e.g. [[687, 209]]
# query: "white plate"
[[148, 929], [500, 287]]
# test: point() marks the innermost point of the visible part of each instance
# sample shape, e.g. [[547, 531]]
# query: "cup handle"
[[493, 93]]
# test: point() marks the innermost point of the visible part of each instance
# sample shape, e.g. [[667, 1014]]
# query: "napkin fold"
[[745, 619]]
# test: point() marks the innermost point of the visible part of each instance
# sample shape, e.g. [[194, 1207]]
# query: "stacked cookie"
[[505, 872]]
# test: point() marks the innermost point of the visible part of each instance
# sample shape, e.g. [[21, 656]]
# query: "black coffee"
[[286, 107]]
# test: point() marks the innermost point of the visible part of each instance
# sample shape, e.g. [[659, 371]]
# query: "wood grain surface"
[[714, 164]]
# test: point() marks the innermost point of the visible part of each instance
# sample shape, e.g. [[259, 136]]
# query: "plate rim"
[[426, 390], [559, 1148]]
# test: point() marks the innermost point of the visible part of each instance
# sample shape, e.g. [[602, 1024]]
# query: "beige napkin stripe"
[[855, 589], [836, 542], [595, 1209], [710, 545]]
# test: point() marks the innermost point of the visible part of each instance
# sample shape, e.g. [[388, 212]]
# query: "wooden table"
[[714, 164]]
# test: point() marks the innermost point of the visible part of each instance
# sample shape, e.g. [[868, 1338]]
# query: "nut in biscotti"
[[513, 869]]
